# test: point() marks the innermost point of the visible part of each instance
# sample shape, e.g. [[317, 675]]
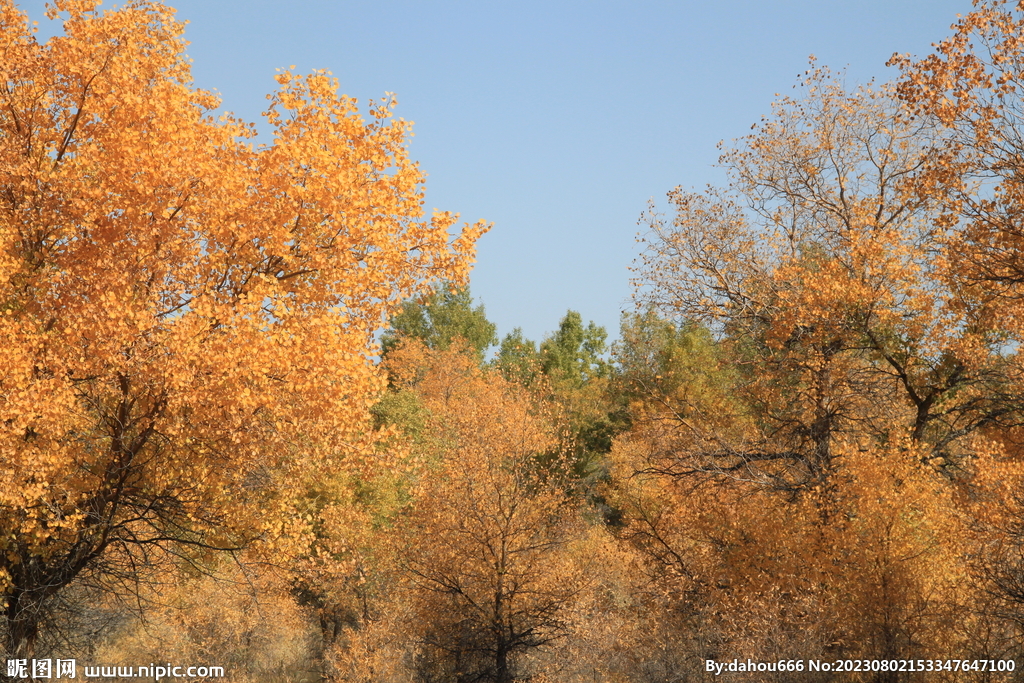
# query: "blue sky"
[[555, 120]]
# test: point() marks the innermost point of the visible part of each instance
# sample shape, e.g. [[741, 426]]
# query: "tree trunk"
[[502, 673], [22, 627]]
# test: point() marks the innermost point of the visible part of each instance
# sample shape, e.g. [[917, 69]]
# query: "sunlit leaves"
[[186, 315]]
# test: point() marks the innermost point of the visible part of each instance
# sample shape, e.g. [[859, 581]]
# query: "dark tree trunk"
[[22, 617], [502, 673]]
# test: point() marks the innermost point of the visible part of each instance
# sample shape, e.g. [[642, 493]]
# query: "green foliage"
[[578, 379], [518, 360], [571, 356], [657, 357], [573, 353], [403, 409], [446, 314]]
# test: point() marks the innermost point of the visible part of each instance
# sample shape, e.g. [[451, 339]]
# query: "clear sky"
[[555, 120]]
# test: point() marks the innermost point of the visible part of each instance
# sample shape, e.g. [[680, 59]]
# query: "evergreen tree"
[[446, 314]]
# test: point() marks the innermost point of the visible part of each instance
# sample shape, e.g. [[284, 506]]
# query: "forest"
[[251, 416]]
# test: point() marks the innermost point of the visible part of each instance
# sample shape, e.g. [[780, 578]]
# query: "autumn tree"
[[820, 268], [822, 388], [735, 569], [971, 87], [239, 613], [186, 317], [490, 525]]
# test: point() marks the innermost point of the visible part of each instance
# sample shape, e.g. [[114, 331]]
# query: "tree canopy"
[[443, 316], [182, 310]]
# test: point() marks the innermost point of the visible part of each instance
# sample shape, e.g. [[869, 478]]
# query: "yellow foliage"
[[183, 312]]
